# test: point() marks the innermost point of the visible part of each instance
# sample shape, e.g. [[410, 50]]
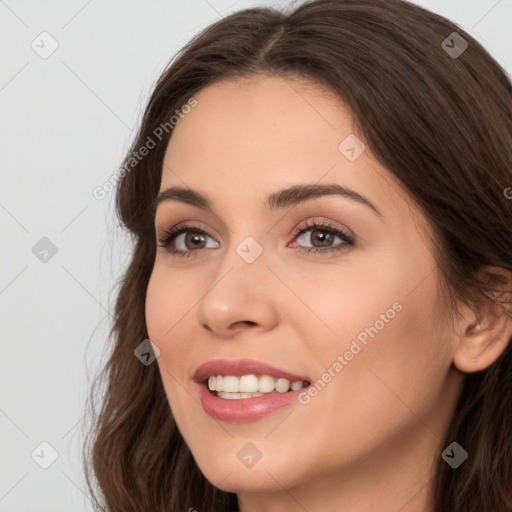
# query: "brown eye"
[[194, 240], [322, 238], [185, 240]]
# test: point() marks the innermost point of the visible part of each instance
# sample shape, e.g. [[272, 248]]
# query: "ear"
[[486, 329]]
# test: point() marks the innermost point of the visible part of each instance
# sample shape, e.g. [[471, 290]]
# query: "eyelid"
[[199, 226], [319, 223], [177, 229]]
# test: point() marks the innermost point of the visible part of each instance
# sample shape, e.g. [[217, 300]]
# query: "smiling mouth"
[[229, 387]]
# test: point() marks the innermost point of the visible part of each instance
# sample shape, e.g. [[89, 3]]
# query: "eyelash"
[[173, 232]]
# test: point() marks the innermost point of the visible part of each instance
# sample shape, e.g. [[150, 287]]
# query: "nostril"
[[245, 323]]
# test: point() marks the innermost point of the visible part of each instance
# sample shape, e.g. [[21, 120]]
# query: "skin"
[[369, 439]]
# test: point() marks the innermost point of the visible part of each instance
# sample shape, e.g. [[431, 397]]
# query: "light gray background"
[[66, 122]]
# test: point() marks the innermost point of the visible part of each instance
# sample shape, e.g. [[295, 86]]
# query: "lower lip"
[[244, 409]]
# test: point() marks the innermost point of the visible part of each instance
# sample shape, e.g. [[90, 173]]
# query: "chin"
[[229, 474]]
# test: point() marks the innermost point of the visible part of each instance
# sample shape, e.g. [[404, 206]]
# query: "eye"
[[188, 239], [323, 233]]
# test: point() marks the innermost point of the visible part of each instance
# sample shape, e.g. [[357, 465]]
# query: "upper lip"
[[240, 367]]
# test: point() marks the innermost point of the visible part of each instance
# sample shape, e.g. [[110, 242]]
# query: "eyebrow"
[[283, 198]]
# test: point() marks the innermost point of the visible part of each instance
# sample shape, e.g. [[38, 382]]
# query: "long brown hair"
[[440, 122]]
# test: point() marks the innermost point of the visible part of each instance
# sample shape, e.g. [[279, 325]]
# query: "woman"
[[323, 265]]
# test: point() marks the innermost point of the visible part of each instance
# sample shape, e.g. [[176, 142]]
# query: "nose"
[[240, 296]]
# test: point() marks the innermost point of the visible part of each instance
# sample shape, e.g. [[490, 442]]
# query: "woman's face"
[[356, 318]]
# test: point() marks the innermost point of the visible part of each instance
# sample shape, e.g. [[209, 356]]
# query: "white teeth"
[[296, 385], [251, 385], [229, 396], [234, 396], [248, 384], [282, 385], [249, 395], [266, 384], [230, 385]]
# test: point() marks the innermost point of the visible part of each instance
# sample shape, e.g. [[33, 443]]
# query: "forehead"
[[247, 138], [259, 119]]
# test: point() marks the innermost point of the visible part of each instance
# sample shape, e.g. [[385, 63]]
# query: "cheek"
[[404, 362], [344, 302], [168, 301], [386, 384], [158, 308], [381, 318], [167, 304], [172, 299]]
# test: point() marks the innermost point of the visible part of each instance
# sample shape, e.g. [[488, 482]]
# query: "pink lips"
[[244, 409]]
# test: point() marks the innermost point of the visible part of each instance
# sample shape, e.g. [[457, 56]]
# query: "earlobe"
[[484, 338], [481, 347]]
